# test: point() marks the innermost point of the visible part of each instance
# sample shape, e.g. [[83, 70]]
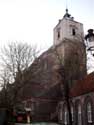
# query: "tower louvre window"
[[58, 33], [73, 32]]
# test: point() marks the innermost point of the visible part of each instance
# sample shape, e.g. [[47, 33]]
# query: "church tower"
[[69, 41], [68, 28]]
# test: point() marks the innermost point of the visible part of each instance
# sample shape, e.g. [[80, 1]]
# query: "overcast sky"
[[33, 21]]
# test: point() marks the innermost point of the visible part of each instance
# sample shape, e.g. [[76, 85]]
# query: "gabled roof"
[[83, 86]]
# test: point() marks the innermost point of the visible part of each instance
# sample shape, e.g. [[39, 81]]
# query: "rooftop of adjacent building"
[[83, 86]]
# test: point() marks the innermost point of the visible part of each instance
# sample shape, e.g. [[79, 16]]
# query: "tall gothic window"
[[79, 115], [89, 112], [72, 113]]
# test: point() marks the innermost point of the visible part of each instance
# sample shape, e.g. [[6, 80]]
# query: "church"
[[63, 63]]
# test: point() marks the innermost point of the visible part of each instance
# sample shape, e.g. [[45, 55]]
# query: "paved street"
[[22, 124], [37, 124]]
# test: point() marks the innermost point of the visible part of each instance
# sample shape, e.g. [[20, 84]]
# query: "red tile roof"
[[83, 86]]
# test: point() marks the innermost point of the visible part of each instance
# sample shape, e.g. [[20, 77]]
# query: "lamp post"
[[90, 41]]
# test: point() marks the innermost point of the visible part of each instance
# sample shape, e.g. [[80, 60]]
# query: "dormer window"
[[73, 32]]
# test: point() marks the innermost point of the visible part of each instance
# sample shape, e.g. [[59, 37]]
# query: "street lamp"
[[90, 41]]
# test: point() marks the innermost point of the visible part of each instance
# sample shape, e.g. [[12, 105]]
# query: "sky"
[[32, 21]]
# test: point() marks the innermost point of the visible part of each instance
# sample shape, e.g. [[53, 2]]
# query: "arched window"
[[79, 116], [89, 112], [72, 113]]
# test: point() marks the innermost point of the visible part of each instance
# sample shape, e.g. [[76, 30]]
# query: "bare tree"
[[15, 60], [16, 57], [4, 100]]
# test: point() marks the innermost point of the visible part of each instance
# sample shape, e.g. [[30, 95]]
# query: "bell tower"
[[68, 28], [69, 40]]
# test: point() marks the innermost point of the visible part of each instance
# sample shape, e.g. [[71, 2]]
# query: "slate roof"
[[83, 86]]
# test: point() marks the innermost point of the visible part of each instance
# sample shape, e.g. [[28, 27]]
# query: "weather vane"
[[66, 4]]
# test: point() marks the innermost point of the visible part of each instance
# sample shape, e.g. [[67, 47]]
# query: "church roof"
[[42, 78], [83, 86]]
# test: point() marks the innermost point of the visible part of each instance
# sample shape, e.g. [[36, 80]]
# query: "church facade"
[[44, 92]]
